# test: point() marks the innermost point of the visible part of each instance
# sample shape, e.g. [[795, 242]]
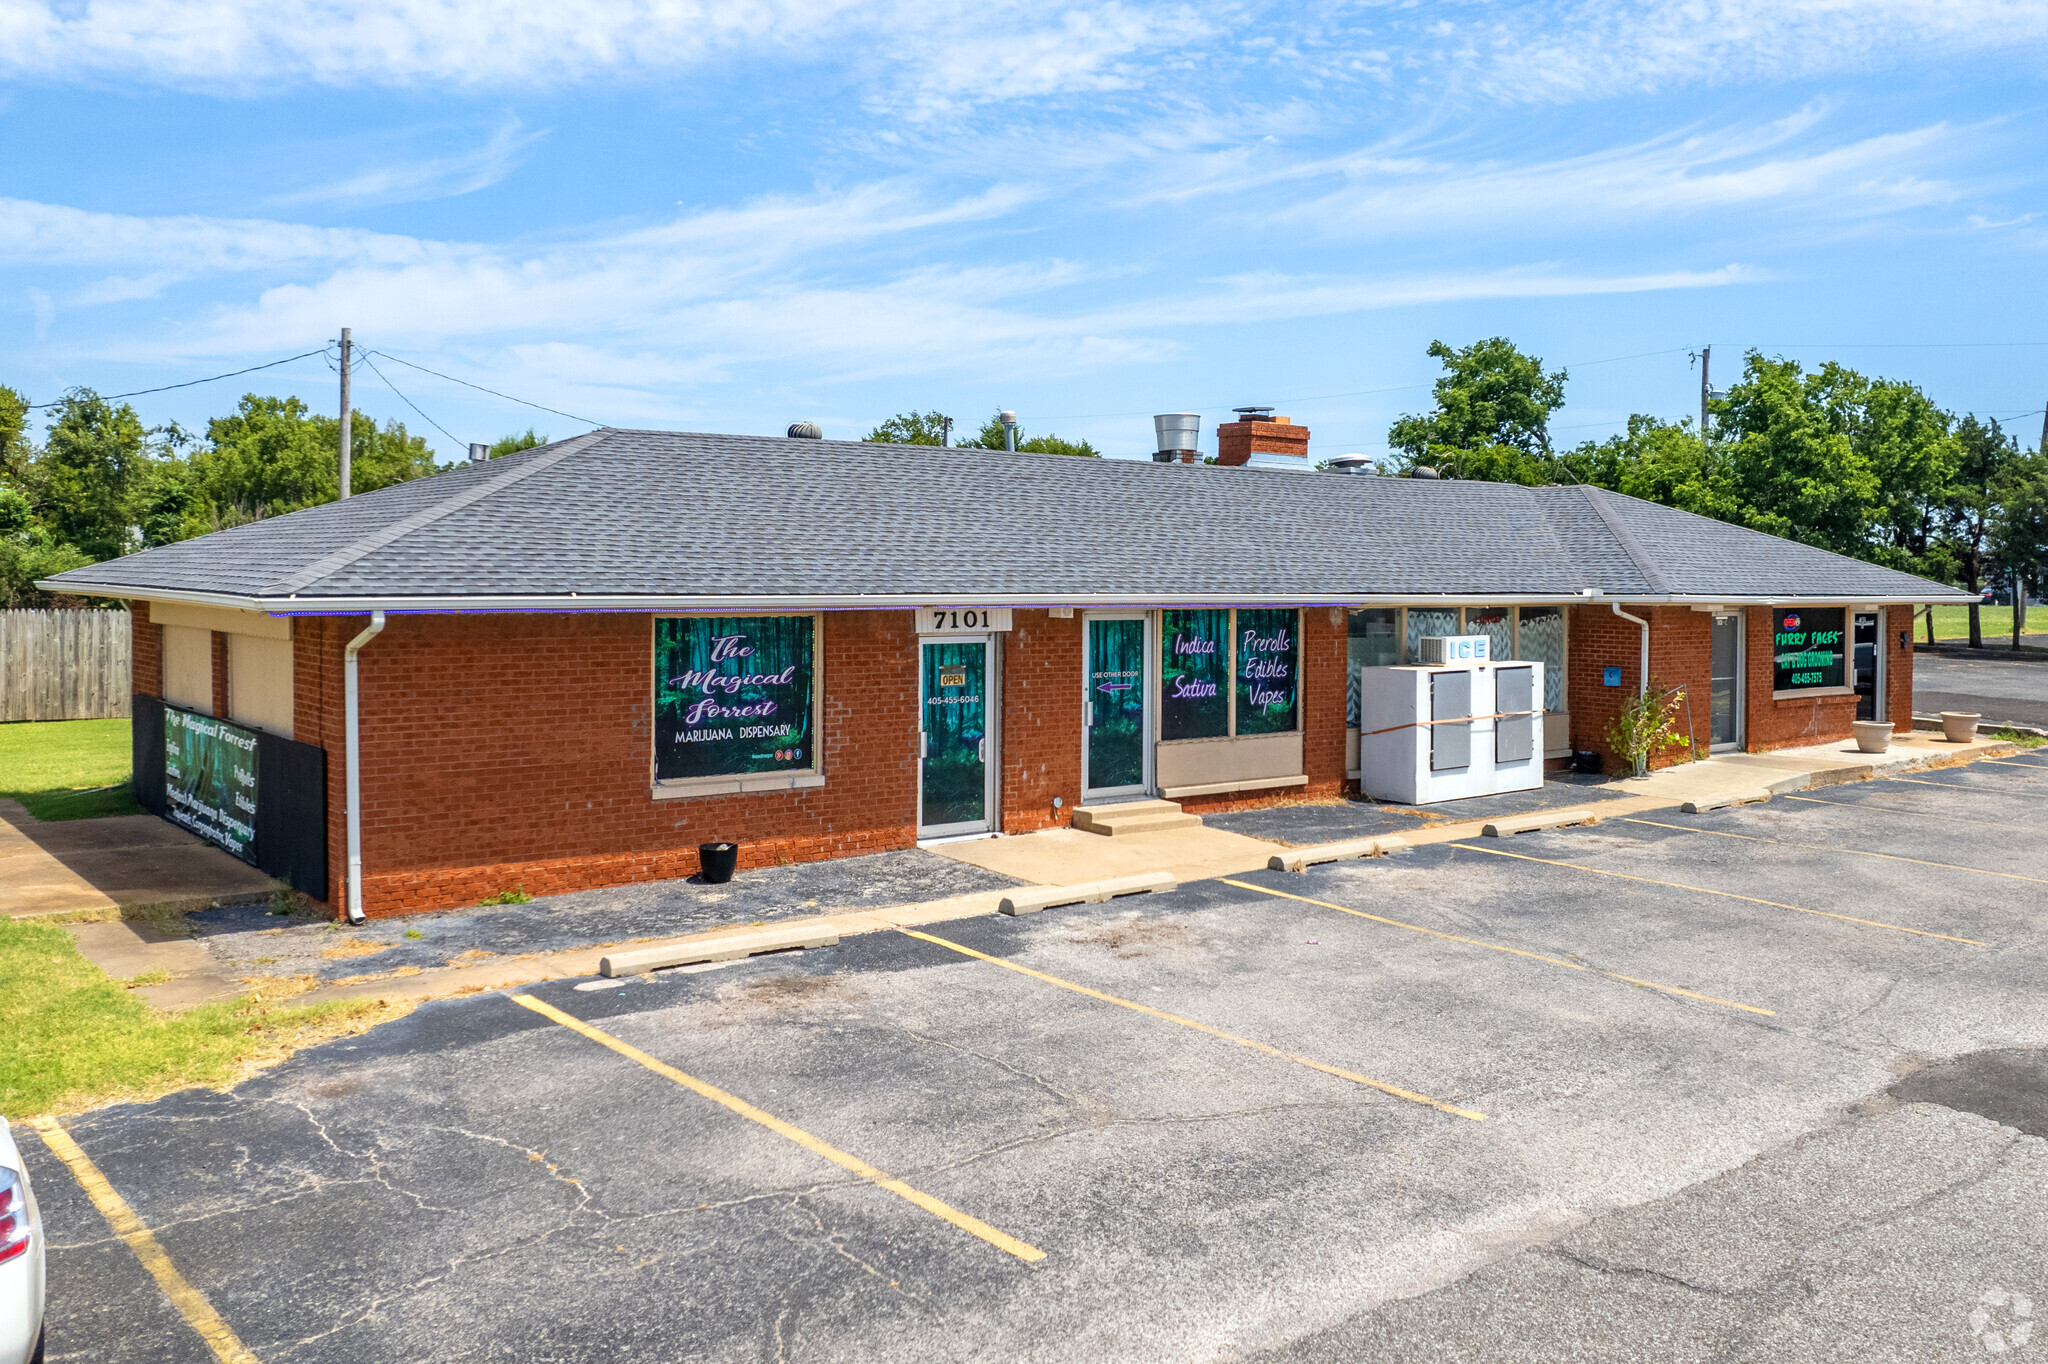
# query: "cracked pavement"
[[1858, 1175]]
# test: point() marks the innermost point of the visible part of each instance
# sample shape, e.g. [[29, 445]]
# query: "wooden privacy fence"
[[63, 665]]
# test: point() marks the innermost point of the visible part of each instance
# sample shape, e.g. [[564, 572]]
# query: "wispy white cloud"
[[1600, 48], [402, 181], [935, 52]]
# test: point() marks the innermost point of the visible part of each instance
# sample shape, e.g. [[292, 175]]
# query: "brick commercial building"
[[571, 666]]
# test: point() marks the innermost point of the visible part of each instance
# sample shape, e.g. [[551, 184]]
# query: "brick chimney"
[[1258, 432]]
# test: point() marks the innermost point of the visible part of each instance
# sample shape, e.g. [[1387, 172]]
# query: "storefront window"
[[1542, 641], [1375, 643], [1194, 674], [1426, 622], [1808, 649], [1268, 668], [1497, 623], [733, 695]]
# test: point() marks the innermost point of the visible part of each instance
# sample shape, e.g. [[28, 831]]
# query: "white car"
[[21, 1260]]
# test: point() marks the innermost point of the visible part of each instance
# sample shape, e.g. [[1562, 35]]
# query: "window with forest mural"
[[733, 695]]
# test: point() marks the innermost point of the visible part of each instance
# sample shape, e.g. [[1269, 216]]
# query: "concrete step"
[[1133, 817]]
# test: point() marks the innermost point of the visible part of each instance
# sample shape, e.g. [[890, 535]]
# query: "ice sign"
[[1440, 649]]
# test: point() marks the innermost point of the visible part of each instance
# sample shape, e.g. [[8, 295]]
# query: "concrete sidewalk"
[[1728, 778], [110, 864]]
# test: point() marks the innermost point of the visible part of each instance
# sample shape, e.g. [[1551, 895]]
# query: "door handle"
[[981, 751], [1091, 713], [924, 743]]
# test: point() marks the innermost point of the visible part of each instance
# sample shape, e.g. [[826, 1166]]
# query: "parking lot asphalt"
[[2001, 684], [1761, 1084]]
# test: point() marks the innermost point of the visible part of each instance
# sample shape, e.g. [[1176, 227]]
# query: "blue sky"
[[727, 217]]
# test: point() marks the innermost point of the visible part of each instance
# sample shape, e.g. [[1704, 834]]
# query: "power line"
[[110, 397], [408, 402], [481, 389]]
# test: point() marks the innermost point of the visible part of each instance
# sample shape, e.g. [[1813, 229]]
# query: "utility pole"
[[346, 435], [1706, 388], [945, 431]]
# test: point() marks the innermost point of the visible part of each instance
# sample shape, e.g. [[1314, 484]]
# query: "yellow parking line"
[[2009, 762], [190, 1302], [1822, 847], [1948, 785], [1729, 894], [974, 1226], [1918, 814], [1380, 1085], [1497, 947]]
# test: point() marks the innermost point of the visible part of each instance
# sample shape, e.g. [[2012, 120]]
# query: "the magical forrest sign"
[[1808, 650], [210, 779], [733, 695]]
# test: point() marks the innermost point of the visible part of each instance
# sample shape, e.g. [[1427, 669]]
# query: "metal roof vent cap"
[[1423, 471], [805, 431], [1253, 414], [1351, 464], [1178, 434], [478, 452]]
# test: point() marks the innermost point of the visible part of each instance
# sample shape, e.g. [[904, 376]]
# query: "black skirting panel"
[[291, 813], [291, 797], [146, 741]]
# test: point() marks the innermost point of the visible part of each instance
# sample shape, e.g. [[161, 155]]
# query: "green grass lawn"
[[67, 769], [1953, 622], [70, 1038]]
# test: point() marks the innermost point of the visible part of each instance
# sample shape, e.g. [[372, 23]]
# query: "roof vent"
[[1179, 436], [1423, 471], [478, 452], [1253, 414], [805, 431], [1351, 464]]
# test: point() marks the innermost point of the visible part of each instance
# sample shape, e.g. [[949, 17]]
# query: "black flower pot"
[[717, 861]]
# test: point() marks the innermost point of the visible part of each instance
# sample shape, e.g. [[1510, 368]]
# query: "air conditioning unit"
[[1438, 650]]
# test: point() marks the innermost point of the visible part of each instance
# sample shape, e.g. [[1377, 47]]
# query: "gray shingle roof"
[[654, 514]]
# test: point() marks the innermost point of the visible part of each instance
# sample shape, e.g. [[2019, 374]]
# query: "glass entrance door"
[[1865, 660], [1727, 682], [954, 795], [1116, 706]]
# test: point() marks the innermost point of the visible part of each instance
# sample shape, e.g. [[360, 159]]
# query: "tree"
[[508, 445], [1792, 464], [912, 428], [1970, 503], [1909, 447], [990, 437], [1492, 417], [15, 452], [2019, 529], [91, 461], [28, 552]]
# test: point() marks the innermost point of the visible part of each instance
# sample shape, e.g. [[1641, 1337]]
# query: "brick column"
[[220, 674], [145, 652]]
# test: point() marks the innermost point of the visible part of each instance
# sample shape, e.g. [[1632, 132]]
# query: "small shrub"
[[414, 933], [515, 896], [1647, 726]]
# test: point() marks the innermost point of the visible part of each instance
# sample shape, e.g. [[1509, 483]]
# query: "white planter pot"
[[1959, 727], [1872, 736]]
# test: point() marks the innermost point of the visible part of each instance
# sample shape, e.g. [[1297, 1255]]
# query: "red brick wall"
[[220, 674], [1041, 721], [1323, 646], [1795, 720], [1898, 664], [509, 750], [146, 651], [1681, 654]]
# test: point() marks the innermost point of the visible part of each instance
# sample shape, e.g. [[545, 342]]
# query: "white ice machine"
[[1466, 727]]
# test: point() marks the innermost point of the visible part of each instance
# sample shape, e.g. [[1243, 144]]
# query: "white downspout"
[[1642, 670], [354, 796]]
